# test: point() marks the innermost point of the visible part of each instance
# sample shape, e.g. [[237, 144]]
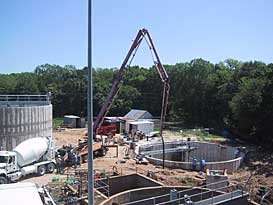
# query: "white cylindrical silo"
[[19, 122]]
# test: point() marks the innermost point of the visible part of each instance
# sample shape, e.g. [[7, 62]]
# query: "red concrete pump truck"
[[142, 34]]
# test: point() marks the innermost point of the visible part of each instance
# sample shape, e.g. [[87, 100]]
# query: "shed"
[[144, 126], [138, 115], [73, 121], [19, 194]]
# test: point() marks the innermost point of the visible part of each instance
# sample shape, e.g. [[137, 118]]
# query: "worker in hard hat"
[[194, 163], [75, 160], [202, 165]]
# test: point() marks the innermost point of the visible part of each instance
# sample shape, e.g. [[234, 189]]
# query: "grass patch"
[[57, 122], [206, 136], [201, 135]]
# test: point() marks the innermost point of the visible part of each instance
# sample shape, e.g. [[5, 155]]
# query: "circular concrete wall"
[[217, 157], [18, 123], [154, 195]]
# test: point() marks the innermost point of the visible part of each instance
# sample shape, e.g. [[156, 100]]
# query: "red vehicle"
[[107, 130]]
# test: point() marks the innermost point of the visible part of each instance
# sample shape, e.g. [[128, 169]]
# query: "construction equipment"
[[35, 155], [100, 148], [100, 145], [142, 34], [107, 130], [98, 129]]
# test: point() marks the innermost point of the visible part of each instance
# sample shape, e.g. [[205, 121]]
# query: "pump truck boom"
[[142, 34]]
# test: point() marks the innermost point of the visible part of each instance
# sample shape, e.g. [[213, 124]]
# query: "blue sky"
[[34, 32]]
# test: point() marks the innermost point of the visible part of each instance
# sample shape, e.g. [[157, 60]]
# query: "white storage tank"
[[31, 150], [23, 117], [144, 126]]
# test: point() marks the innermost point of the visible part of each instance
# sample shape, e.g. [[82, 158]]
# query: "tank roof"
[[26, 193], [24, 100], [140, 122]]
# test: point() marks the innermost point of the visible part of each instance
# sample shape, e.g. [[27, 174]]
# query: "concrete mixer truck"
[[33, 156]]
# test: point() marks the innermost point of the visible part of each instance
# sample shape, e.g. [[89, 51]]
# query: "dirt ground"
[[258, 163]]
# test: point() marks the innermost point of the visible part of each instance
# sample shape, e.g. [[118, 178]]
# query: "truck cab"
[[8, 167]]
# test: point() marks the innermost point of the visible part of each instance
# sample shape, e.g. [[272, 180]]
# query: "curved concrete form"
[[20, 121], [179, 154], [146, 195]]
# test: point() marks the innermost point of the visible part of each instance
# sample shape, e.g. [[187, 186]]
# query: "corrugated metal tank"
[[18, 123], [31, 150]]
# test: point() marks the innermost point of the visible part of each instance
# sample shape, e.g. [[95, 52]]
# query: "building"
[[145, 127], [138, 115], [73, 121]]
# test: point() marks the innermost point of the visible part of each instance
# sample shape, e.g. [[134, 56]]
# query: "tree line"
[[231, 94]]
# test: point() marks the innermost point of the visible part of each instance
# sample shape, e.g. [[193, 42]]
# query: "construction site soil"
[[257, 167]]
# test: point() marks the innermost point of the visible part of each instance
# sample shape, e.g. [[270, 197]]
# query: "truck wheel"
[[103, 151], [41, 170], [85, 158], [3, 180], [50, 168]]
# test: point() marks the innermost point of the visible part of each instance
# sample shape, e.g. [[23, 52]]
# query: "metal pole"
[[90, 110]]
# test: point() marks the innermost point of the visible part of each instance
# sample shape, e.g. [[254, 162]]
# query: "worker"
[[202, 165], [72, 148], [188, 142], [58, 164], [237, 153], [75, 160], [126, 135], [149, 174], [194, 163], [62, 164]]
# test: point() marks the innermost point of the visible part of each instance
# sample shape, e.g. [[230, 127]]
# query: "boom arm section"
[[142, 34]]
